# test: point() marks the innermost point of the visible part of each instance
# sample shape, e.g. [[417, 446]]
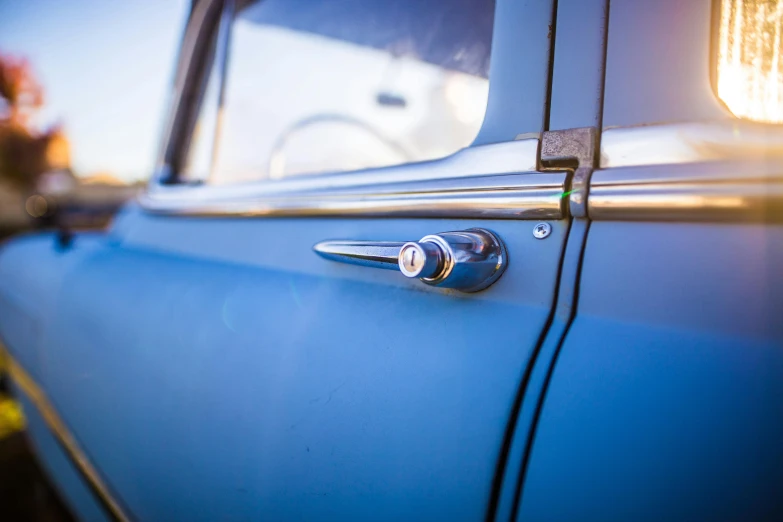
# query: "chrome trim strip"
[[27, 385], [524, 196], [490, 181], [689, 142], [717, 192]]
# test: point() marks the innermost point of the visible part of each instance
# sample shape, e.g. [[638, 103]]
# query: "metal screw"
[[542, 230]]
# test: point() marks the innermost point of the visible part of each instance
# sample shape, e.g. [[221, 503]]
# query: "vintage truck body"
[[202, 360]]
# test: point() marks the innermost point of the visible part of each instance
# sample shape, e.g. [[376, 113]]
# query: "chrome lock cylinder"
[[468, 261]]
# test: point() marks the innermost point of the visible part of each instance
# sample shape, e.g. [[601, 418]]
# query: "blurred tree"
[[20, 92], [25, 153]]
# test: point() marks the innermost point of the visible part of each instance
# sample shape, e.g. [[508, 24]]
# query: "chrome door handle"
[[468, 260]]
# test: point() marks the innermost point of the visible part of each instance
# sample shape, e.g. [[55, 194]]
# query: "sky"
[[106, 68]]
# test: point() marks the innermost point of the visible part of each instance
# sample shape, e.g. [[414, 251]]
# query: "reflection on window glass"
[[750, 65], [315, 86]]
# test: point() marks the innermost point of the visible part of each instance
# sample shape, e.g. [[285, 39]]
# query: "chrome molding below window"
[[690, 143], [491, 181], [725, 191]]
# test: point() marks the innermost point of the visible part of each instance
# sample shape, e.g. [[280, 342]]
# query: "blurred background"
[[82, 90], [83, 86]]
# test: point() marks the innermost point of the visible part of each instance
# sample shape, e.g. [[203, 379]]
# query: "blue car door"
[[665, 399], [209, 362]]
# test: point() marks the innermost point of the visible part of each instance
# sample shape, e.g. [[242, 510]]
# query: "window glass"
[[750, 59], [314, 86]]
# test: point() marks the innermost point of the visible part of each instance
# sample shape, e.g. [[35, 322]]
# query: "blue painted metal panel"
[[665, 402], [658, 63], [31, 271], [518, 70], [578, 70], [281, 385], [539, 372]]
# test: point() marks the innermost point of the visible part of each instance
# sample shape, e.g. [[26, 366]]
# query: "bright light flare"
[[750, 66]]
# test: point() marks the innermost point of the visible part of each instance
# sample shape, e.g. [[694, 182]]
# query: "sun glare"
[[750, 67]]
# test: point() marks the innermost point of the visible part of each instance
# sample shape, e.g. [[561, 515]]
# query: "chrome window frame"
[[193, 65], [499, 180]]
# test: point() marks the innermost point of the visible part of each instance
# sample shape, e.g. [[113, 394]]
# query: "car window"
[[750, 68], [313, 87]]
